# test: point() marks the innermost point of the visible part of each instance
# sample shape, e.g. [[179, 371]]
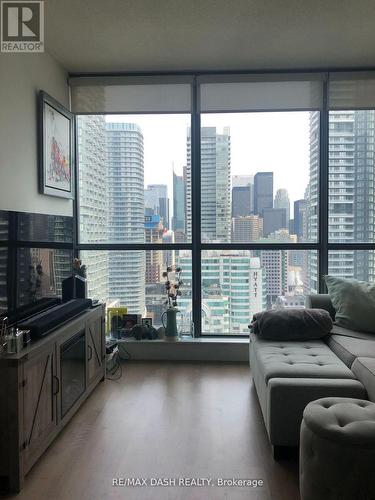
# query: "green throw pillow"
[[354, 302]]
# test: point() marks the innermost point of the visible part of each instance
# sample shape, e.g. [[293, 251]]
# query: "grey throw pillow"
[[354, 302]]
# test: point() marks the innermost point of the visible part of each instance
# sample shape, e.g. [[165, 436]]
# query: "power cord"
[[115, 373], [129, 356]]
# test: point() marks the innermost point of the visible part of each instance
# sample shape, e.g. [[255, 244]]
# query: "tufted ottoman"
[[337, 450]]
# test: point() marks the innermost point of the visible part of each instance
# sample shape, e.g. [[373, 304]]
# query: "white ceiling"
[[174, 35]]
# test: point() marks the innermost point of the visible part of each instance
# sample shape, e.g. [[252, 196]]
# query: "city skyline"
[[165, 146], [251, 280], [236, 207]]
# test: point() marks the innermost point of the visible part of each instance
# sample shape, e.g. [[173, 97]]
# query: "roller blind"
[[131, 94], [355, 90], [261, 92]]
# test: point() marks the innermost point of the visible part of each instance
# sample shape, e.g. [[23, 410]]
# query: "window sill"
[[199, 349], [200, 340]]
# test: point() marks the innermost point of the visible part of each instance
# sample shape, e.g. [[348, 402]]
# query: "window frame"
[[321, 246]]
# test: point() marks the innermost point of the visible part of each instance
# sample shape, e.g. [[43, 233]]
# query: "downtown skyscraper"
[[157, 202], [351, 192], [282, 201], [263, 192], [215, 184], [126, 214], [179, 207], [242, 195], [93, 181]]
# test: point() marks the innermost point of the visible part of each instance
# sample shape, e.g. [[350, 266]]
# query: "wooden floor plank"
[[165, 420]]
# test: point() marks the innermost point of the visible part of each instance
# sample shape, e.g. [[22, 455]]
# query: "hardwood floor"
[[165, 420]]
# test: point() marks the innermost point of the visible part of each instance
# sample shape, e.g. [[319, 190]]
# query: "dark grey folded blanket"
[[291, 324]]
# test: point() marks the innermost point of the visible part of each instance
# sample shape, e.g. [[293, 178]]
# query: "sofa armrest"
[[321, 301]]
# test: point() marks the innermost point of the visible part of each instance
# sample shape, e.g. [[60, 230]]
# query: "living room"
[[187, 249]]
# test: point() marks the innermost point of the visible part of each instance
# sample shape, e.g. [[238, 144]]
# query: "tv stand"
[[33, 406]]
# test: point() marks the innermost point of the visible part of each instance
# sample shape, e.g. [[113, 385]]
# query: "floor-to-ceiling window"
[[227, 177], [351, 237]]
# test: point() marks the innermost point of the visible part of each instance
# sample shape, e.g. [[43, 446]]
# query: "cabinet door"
[[39, 403], [94, 348]]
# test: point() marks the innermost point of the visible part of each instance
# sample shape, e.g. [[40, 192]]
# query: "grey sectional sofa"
[[289, 374]]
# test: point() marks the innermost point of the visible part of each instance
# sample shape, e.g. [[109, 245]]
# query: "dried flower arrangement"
[[79, 269], [172, 284]]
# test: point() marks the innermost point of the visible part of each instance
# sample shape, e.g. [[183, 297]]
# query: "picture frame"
[[131, 320], [56, 148], [147, 322]]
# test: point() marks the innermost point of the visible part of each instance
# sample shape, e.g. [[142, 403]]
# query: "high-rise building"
[[93, 200], [351, 190], [151, 202], [351, 174], [310, 229], [263, 191], [241, 201], [215, 184], [187, 181], [299, 218], [276, 266], [274, 219], [247, 229], [157, 202], [243, 283], [154, 258], [126, 214], [242, 180], [364, 181], [242, 195], [282, 201], [178, 221], [233, 289]]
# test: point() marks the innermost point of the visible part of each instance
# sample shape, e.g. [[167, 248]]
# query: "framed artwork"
[[56, 150], [147, 322]]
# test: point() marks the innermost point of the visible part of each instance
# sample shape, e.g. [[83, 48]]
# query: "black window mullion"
[[133, 246], [76, 221], [323, 190], [196, 211]]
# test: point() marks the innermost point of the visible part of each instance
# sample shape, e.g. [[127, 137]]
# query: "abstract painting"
[[56, 148]]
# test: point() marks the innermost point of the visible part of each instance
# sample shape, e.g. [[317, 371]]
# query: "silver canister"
[[14, 341]]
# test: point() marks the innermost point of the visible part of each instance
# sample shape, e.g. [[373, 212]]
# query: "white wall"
[[21, 76]]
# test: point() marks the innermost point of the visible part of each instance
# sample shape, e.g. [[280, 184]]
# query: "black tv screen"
[[36, 254]]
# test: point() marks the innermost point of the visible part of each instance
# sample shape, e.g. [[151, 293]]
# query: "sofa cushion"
[[364, 370], [354, 302], [349, 348], [347, 332], [306, 359], [320, 301], [292, 324]]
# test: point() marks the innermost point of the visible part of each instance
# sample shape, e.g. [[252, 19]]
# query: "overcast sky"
[[277, 142]]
